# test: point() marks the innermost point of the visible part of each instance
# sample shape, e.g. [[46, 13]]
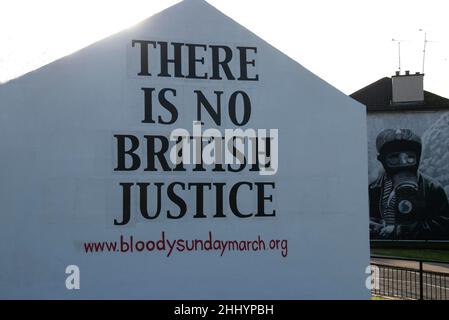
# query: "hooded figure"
[[404, 203]]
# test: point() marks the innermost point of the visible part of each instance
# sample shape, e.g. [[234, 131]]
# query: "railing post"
[[421, 282]]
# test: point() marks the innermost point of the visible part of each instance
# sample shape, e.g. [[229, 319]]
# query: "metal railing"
[[410, 280]]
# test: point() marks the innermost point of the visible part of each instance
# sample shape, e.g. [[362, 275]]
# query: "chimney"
[[408, 87]]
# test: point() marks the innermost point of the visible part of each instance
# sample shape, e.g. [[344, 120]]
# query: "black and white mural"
[[409, 196]]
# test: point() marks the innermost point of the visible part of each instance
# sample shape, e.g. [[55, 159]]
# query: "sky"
[[348, 43]]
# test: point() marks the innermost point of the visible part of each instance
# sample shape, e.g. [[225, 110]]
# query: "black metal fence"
[[405, 278]]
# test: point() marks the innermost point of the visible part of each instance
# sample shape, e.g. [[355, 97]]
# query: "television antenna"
[[399, 52], [424, 49]]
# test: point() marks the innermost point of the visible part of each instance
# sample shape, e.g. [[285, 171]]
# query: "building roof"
[[378, 95]]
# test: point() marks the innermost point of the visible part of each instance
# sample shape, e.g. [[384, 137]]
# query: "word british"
[[251, 148]]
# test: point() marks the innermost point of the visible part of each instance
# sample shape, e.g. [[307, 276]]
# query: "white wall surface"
[[58, 188]]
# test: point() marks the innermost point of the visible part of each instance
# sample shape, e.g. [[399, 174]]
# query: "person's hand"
[[387, 232], [375, 227]]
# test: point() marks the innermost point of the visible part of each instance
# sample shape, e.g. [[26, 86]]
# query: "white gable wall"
[[58, 188]]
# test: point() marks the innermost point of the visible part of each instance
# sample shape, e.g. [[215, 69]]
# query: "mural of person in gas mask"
[[404, 203]]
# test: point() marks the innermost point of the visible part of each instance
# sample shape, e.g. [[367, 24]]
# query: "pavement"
[[432, 267]]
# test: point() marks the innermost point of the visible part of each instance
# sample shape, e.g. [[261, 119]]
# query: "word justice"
[[155, 195]]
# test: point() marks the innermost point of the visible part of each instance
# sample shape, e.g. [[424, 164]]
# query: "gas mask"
[[402, 168]]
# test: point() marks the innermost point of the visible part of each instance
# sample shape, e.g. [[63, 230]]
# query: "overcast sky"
[[348, 43]]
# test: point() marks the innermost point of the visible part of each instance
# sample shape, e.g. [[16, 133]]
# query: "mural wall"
[[409, 176]]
